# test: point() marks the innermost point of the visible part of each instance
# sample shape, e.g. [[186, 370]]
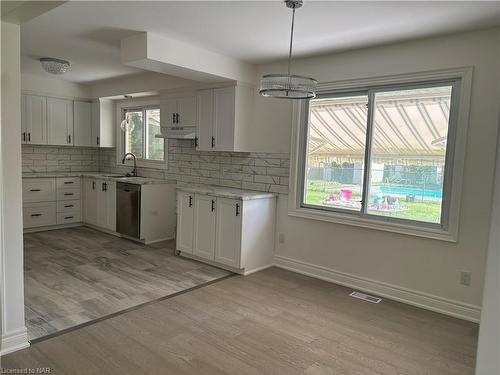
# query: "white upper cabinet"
[[224, 117], [33, 119], [179, 110], [60, 121], [82, 123], [103, 130]]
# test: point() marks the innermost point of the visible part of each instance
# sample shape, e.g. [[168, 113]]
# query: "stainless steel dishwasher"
[[128, 209]]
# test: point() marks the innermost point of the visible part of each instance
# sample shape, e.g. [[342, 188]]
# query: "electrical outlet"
[[465, 278], [282, 238]]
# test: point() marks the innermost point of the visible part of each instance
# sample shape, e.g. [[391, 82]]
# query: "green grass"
[[428, 210]]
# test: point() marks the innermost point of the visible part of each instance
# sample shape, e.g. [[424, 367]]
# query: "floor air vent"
[[366, 297]]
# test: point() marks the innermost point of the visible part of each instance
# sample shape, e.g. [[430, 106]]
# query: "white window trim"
[[133, 103], [448, 233]]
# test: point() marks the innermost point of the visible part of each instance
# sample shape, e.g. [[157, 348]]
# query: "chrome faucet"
[[134, 171]]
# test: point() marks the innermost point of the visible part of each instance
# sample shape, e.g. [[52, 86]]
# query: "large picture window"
[[140, 137], [382, 153]]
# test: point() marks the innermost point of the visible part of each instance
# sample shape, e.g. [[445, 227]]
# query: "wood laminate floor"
[[271, 322], [76, 275]]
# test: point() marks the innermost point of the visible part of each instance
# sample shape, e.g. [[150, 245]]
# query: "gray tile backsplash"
[[59, 159], [253, 171]]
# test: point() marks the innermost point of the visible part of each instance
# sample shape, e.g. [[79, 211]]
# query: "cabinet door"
[[35, 109], [228, 235], [204, 226], [102, 204], [24, 135], [82, 124], [110, 194], [224, 107], [186, 108], [204, 123], [60, 121], [90, 201], [168, 110], [185, 217], [96, 124]]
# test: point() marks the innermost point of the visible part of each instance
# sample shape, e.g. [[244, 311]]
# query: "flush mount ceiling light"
[[288, 86], [55, 66]]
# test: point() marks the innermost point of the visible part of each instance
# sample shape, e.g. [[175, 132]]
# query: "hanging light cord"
[[291, 42]]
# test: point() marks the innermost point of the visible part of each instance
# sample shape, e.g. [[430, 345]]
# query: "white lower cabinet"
[[100, 203], [185, 221], [51, 201], [204, 226], [228, 235], [237, 234]]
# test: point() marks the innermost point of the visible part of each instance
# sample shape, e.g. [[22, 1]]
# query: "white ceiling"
[[88, 33]]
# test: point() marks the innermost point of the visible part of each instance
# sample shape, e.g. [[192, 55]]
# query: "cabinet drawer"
[[68, 182], [39, 214], [66, 194], [68, 217], [68, 206], [39, 190]]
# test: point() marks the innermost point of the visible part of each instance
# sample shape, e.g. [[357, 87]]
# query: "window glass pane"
[[133, 138], [410, 131], [154, 146], [336, 152]]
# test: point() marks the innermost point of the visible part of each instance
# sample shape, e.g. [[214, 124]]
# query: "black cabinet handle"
[[98, 140], [68, 182], [68, 217], [24, 136], [213, 205], [69, 139], [29, 137], [237, 209], [69, 205], [69, 193], [173, 118], [196, 141], [93, 185], [104, 186], [190, 201], [34, 189], [35, 215], [177, 117], [213, 142]]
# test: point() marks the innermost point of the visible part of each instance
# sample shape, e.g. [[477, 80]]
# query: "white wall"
[[419, 270], [488, 360], [137, 83], [54, 87], [11, 248]]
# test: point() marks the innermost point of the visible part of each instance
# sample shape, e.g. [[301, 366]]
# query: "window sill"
[[347, 219]]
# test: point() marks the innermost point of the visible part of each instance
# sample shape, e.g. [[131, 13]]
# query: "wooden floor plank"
[[76, 275], [271, 322]]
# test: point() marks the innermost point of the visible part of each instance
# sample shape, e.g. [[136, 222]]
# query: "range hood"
[[177, 132]]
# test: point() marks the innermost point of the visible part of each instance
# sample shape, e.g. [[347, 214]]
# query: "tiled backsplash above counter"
[[252, 171], [59, 159]]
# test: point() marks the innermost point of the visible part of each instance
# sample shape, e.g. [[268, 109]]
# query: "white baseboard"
[[14, 341], [249, 272], [412, 297]]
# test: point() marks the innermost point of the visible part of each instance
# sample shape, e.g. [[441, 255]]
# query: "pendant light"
[[288, 86]]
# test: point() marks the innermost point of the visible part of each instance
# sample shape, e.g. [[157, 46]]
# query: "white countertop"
[[225, 192], [101, 176]]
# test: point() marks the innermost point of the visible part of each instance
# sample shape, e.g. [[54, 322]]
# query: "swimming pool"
[[417, 192]]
